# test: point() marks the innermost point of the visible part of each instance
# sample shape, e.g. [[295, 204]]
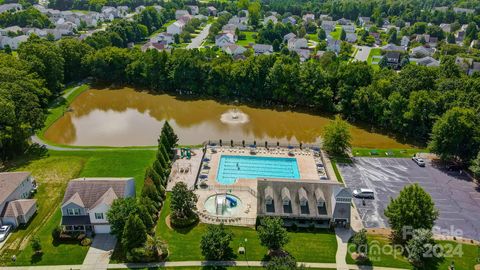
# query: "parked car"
[[4, 231], [420, 162], [364, 193]]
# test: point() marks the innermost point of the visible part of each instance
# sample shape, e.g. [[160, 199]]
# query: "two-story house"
[[87, 201], [16, 207]]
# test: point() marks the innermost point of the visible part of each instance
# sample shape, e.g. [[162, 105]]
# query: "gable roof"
[[18, 208], [90, 192], [9, 181]]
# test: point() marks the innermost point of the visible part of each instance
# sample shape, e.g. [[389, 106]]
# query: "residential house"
[[297, 43], [446, 27], [333, 45], [404, 41], [475, 44], [344, 21], [122, 11], [270, 18], [180, 12], [212, 11], [441, 9], [240, 22], [139, 9], [288, 36], [12, 7], [163, 37], [474, 69], [348, 28], [16, 207], [393, 59], [289, 19], [459, 37], [185, 18], [427, 61], [87, 201], [351, 37], [324, 17], [377, 38], [393, 48], [303, 53], [464, 10], [194, 10], [464, 63], [319, 54], [229, 27], [421, 51], [364, 21], [159, 46], [175, 28], [328, 26], [308, 17], [223, 39], [12, 42], [233, 49], [12, 29], [262, 49]]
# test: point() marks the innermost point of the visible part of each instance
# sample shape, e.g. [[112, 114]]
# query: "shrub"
[[81, 236], [56, 232], [86, 241], [36, 245]]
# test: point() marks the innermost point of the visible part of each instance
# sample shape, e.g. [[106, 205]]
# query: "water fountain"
[[234, 116]]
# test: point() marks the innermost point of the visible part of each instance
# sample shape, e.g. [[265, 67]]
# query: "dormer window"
[[73, 211], [98, 215]]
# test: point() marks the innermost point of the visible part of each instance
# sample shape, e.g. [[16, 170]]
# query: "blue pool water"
[[231, 168]]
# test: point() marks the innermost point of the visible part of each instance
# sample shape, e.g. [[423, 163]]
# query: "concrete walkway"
[[342, 235], [98, 255], [192, 263]]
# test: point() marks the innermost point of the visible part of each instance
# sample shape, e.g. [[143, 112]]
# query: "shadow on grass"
[[32, 153]]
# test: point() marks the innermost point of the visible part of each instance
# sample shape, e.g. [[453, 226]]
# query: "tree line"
[[133, 220]]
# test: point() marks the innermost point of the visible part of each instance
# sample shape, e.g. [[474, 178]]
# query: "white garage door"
[[102, 228]]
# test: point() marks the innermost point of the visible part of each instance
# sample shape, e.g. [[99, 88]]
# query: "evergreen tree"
[[321, 34], [343, 35], [135, 233]]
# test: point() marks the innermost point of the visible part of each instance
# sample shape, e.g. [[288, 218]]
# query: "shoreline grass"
[[390, 153]]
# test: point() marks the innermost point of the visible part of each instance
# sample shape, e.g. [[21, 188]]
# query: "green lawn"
[[313, 37], [184, 245], [60, 105], [336, 34], [373, 52], [249, 38], [52, 171], [465, 260], [395, 153]]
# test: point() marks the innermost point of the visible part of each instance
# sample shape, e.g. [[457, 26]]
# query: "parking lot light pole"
[[246, 258]]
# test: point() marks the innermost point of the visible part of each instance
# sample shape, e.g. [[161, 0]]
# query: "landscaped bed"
[[184, 245], [395, 153]]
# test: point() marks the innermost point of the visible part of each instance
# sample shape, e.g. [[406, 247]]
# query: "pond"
[[125, 117]]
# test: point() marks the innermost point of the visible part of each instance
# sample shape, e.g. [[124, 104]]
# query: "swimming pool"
[[231, 168]]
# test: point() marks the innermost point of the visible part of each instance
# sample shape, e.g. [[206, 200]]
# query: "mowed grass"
[[184, 245], [249, 38], [394, 153], [373, 52], [52, 172], [464, 256]]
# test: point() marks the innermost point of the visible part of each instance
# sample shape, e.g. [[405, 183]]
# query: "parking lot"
[[457, 198]]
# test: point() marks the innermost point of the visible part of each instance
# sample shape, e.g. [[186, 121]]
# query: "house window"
[[98, 215], [73, 211]]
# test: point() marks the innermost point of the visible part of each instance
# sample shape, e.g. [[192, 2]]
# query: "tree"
[[272, 234], [343, 35], [359, 239], [36, 245], [451, 38], [118, 214], [215, 243], [383, 63], [475, 165], [412, 209], [183, 204], [337, 137], [134, 234], [456, 135], [73, 51], [321, 34], [421, 243], [254, 13]]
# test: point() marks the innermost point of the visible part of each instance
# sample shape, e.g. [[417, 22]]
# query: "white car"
[[420, 162], [4, 231], [364, 193]]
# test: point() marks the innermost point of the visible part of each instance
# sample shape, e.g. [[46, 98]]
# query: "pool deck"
[[185, 170], [305, 161]]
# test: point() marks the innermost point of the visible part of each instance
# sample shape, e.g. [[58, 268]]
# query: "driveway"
[[98, 255], [456, 197], [197, 41], [362, 53]]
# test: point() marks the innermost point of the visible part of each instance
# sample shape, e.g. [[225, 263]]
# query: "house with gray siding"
[[87, 201], [16, 207]]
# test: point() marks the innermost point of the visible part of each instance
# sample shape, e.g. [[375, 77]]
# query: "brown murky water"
[[126, 117]]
